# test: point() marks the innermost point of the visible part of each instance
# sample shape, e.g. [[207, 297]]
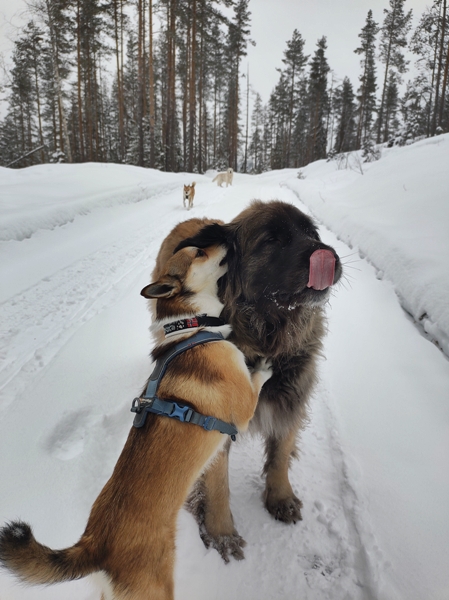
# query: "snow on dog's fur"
[[129, 540], [224, 177]]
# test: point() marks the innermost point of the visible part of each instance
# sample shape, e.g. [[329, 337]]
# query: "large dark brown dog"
[[278, 281]]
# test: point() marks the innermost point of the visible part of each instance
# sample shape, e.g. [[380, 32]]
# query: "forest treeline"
[[159, 83]]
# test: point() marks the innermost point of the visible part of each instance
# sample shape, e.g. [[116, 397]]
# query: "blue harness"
[[150, 403]]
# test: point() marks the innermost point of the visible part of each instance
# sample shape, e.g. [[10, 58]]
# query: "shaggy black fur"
[[274, 315]]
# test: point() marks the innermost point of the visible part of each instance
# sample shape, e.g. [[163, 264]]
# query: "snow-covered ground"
[[78, 244]]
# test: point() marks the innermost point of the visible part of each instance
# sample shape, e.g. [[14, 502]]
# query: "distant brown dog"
[[129, 539], [224, 177], [188, 196]]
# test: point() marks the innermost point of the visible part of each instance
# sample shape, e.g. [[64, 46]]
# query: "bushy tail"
[[34, 563]]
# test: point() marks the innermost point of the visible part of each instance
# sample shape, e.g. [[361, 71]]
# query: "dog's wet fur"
[[129, 540], [276, 316]]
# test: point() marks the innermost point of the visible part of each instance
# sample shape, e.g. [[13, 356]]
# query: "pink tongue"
[[322, 270]]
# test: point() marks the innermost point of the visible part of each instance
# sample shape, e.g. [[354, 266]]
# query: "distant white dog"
[[224, 177]]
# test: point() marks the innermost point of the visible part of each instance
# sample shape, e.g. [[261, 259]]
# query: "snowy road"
[[74, 351]]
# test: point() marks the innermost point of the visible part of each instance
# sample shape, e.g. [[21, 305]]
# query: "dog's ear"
[[211, 235], [164, 288]]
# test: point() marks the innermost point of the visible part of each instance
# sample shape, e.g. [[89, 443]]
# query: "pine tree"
[[300, 131], [394, 32], [430, 41], [366, 94], [256, 143], [279, 114], [391, 123], [21, 103], [318, 101], [344, 107], [295, 61], [238, 37], [54, 14]]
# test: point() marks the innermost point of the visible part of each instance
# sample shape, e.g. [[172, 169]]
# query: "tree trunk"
[[444, 87], [192, 89], [152, 110], [247, 122], [79, 76], [62, 118], [170, 163], [121, 124], [436, 111], [140, 84]]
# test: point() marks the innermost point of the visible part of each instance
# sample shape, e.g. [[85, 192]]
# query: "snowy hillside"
[[78, 242]]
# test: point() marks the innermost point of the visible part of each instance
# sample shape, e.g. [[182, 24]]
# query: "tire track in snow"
[[365, 554], [40, 320]]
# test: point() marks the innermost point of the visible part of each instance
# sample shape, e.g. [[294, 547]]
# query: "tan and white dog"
[[129, 540], [224, 177], [188, 195]]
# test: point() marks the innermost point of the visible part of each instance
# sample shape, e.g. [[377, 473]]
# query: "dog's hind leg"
[[280, 501], [209, 504]]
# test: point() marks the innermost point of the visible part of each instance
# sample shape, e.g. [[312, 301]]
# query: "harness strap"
[[150, 403], [181, 412]]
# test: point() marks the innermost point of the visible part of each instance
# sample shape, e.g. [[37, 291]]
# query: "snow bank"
[[48, 196], [397, 214]]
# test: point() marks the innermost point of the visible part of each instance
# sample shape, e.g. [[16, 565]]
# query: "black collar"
[[193, 323]]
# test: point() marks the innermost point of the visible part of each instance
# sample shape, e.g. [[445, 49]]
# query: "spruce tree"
[[414, 109]]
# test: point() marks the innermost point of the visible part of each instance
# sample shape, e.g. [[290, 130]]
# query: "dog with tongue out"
[[278, 282], [321, 270]]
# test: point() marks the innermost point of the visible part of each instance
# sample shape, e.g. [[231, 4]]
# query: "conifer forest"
[[160, 83]]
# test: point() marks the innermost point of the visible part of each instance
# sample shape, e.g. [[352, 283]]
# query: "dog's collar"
[[149, 402], [193, 323]]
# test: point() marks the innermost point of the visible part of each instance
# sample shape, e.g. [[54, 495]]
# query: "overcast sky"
[[273, 22]]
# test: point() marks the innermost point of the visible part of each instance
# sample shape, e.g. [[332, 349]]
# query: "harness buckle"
[[136, 406], [182, 413], [209, 423]]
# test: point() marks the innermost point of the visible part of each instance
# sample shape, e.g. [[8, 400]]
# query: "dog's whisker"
[[347, 255], [349, 266]]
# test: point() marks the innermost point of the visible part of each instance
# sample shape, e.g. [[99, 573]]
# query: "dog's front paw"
[[287, 510], [226, 545], [265, 369]]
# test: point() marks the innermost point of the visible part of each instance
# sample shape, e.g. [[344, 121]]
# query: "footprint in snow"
[[67, 439]]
